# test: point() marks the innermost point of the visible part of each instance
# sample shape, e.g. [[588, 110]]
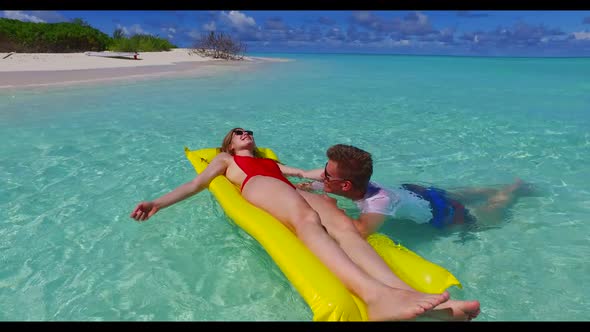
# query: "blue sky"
[[483, 33]]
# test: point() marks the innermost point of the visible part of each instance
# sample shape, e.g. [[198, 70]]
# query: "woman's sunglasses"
[[241, 132]]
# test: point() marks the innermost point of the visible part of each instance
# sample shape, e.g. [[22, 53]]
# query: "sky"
[[542, 33]]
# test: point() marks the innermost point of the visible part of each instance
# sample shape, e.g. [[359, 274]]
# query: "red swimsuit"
[[260, 166]]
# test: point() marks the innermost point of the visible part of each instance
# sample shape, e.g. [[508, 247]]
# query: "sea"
[[76, 160]]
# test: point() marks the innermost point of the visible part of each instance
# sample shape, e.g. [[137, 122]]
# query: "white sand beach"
[[19, 70]]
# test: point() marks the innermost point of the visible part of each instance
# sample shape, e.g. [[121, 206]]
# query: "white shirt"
[[396, 202]]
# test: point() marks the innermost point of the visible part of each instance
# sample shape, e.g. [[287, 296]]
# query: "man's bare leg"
[[383, 302], [340, 227], [472, 195], [497, 205]]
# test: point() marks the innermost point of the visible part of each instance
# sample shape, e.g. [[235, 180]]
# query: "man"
[[348, 172]]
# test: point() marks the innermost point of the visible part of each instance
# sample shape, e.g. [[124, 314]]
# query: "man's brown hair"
[[354, 164]]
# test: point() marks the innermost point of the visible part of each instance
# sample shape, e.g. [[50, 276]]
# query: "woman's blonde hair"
[[226, 143]]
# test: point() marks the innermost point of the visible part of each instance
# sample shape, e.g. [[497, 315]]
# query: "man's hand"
[[330, 199], [311, 186], [304, 186]]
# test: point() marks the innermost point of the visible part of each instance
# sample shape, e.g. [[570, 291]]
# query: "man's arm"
[[375, 210], [369, 223], [366, 224]]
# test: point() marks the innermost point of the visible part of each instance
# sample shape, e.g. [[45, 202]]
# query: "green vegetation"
[[138, 43], [75, 36], [50, 37]]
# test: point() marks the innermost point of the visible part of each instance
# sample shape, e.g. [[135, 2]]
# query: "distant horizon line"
[[384, 54], [426, 55]]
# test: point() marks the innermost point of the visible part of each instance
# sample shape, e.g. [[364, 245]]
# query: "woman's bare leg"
[[340, 227], [383, 302]]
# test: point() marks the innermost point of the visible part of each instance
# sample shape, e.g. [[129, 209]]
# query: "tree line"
[[69, 37], [79, 36]]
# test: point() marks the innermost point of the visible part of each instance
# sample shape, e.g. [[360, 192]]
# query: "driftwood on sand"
[[117, 55]]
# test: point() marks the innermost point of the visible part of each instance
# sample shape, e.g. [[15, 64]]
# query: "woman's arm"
[[314, 174], [218, 166], [291, 171]]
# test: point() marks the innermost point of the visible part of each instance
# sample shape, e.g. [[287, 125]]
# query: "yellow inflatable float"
[[327, 297]]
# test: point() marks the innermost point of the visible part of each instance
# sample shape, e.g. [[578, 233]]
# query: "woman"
[[263, 184]]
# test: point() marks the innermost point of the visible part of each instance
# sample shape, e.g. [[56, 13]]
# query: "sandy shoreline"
[[29, 70]]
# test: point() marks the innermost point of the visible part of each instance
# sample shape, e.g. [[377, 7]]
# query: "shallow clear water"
[[76, 160]]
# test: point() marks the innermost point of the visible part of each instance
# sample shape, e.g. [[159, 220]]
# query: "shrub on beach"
[[31, 37], [219, 46], [138, 43]]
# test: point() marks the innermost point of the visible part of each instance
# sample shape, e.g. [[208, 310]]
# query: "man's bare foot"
[[455, 310], [518, 183], [522, 188], [526, 189], [395, 304]]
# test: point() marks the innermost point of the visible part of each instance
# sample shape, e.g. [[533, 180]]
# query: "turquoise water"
[[76, 160]]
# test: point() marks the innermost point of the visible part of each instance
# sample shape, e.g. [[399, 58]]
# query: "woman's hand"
[[143, 211]]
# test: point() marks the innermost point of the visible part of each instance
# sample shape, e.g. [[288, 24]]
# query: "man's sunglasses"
[[241, 132], [328, 177]]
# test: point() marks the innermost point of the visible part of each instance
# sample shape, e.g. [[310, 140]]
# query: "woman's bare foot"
[[455, 310], [393, 304]]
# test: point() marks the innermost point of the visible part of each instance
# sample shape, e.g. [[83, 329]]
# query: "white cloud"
[[209, 26], [296, 43], [362, 16], [194, 34], [169, 31], [135, 29], [422, 19], [239, 20], [21, 16], [582, 35], [388, 42]]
